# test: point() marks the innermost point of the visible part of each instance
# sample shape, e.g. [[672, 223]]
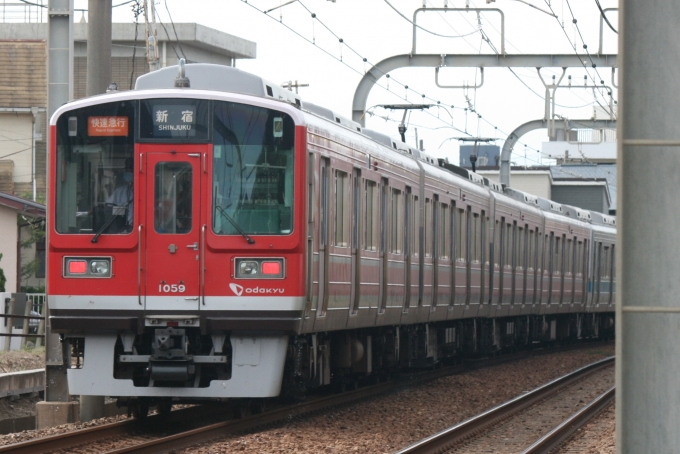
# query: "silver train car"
[[325, 253]]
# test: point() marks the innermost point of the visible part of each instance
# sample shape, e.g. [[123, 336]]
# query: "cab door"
[[172, 229]]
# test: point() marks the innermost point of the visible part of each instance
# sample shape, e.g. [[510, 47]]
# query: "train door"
[[172, 229], [395, 284], [444, 274], [320, 296], [428, 271]]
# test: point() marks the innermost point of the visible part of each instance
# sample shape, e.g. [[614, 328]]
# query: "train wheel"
[[242, 409], [258, 406], [140, 409], [164, 407]]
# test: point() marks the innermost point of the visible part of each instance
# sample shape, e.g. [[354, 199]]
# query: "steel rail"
[[221, 429], [559, 434], [446, 438], [69, 440], [98, 433]]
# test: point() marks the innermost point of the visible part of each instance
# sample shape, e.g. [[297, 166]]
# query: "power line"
[[585, 47], [604, 16], [175, 30], [16, 152], [425, 29], [365, 60]]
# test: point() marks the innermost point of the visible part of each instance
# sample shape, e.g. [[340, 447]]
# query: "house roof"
[[593, 172], [23, 206]]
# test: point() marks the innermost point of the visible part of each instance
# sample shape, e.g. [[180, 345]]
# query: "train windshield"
[[94, 184], [253, 156]]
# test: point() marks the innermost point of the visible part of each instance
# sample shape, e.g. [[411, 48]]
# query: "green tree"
[[36, 233], [3, 279]]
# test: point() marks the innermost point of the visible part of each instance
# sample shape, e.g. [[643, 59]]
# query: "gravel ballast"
[[389, 422]]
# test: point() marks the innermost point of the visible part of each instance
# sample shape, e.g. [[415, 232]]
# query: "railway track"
[[509, 426], [151, 436], [553, 439]]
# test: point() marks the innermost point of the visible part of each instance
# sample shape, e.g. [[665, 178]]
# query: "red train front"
[[177, 238]]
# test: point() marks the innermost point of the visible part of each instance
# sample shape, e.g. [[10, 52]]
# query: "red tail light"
[[271, 268], [77, 267]]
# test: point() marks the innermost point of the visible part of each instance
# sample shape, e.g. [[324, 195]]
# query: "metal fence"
[[31, 323], [34, 12], [591, 136]]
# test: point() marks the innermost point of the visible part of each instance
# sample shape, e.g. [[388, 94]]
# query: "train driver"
[[123, 195]]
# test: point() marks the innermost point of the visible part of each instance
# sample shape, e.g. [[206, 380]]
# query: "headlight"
[[99, 267], [260, 268], [248, 268], [84, 267]]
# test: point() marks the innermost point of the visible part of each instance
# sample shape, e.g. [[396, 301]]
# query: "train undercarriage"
[[179, 364]]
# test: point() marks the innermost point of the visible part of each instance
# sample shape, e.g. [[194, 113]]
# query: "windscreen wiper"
[[236, 226], [106, 225]]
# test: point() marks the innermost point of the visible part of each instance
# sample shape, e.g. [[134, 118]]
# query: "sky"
[[293, 45]]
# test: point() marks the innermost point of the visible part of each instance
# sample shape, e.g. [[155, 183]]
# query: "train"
[[213, 236]]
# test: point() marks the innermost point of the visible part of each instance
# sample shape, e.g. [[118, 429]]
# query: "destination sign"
[[174, 118], [166, 119], [107, 126]]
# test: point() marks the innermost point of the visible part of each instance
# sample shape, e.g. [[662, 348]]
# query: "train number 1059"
[[171, 288]]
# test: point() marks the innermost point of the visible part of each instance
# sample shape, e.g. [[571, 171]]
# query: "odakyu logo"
[[239, 290]]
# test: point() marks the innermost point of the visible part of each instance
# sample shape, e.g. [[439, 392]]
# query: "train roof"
[[205, 76]]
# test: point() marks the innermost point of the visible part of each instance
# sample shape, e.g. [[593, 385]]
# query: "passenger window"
[[397, 239], [342, 207], [547, 254], [415, 232], [460, 233], [483, 238], [443, 232], [520, 248], [530, 252], [429, 228], [498, 234], [372, 225], [567, 258], [476, 238], [508, 246], [172, 197]]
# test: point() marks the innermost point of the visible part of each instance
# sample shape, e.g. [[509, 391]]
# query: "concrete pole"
[[59, 91], [648, 238], [98, 79], [98, 46]]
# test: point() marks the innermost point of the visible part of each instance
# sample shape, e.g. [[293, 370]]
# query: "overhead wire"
[[175, 30], [365, 60], [423, 96], [604, 16], [425, 29], [585, 47]]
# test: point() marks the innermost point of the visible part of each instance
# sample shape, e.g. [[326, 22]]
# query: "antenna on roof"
[[181, 81]]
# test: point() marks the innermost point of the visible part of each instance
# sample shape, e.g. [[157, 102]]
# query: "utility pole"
[[98, 79], [98, 46], [648, 207], [57, 408], [151, 35], [290, 85]]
